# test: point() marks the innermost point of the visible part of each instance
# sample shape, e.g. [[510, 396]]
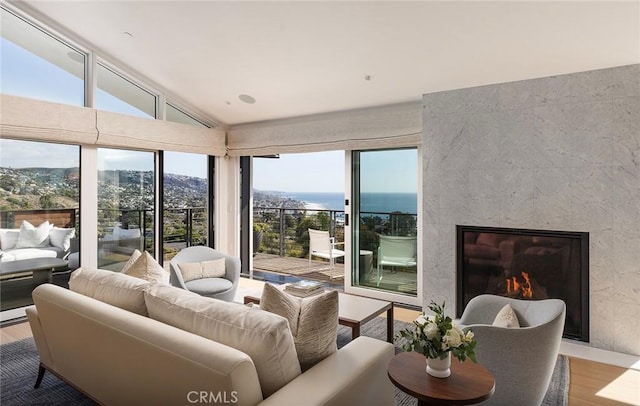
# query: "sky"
[[324, 172], [311, 172]]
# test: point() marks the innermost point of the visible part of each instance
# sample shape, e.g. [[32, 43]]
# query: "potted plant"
[[437, 338], [258, 235]]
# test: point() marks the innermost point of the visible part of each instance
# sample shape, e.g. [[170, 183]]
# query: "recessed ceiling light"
[[247, 99]]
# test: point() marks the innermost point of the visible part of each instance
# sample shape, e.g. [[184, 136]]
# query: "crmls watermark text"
[[210, 397]]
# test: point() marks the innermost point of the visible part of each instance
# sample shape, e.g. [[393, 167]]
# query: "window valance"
[[392, 126], [30, 119]]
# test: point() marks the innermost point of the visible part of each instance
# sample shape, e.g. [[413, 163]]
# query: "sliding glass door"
[[126, 205], [384, 230]]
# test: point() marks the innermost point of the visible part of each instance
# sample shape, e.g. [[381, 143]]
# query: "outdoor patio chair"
[[395, 251], [322, 245]]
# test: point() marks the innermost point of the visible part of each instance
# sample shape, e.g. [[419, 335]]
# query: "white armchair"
[[521, 359], [219, 288]]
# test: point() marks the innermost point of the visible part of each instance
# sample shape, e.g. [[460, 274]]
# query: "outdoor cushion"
[[33, 237], [8, 238], [61, 237]]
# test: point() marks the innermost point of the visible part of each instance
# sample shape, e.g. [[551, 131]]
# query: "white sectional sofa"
[[108, 341], [27, 242]]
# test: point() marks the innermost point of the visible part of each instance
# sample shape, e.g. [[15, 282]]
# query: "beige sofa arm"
[[355, 375], [39, 338]]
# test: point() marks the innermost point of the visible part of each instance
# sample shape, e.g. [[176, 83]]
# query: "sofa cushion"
[[264, 336], [33, 237], [114, 288], [506, 317], [8, 238], [148, 269], [61, 237], [313, 321], [209, 286]]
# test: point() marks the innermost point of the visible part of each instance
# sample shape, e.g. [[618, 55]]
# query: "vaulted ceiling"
[[299, 58]]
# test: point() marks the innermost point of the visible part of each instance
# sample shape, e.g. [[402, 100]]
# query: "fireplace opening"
[[526, 264]]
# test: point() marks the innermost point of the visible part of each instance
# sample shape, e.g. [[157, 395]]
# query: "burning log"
[[523, 287]]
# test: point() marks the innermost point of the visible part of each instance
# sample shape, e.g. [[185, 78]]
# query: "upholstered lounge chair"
[[521, 359], [220, 288]]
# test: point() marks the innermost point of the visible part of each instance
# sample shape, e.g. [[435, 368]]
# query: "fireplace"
[[526, 264]]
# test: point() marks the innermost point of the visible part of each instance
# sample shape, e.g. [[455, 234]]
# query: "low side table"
[[469, 382]]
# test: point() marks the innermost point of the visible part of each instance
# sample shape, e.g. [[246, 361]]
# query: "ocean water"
[[370, 202]]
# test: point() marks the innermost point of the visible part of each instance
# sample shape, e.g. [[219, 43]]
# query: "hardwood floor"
[[592, 383]]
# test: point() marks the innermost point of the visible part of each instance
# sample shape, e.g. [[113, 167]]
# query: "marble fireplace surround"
[[558, 153]]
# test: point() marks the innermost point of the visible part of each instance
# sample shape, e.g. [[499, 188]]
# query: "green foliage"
[[47, 202]]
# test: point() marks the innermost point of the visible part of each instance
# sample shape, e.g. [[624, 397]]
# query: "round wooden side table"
[[469, 382]]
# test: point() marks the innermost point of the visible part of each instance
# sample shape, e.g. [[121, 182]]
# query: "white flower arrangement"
[[435, 336]]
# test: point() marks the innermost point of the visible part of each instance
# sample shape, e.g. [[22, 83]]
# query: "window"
[[126, 191], [178, 116], [119, 95], [37, 65], [185, 218], [39, 182]]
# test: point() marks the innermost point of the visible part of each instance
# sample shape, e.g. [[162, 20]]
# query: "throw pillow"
[[132, 259], [313, 321], [215, 268], [190, 271], [146, 267], [506, 317], [61, 237], [114, 288], [34, 237], [263, 336], [9, 238]]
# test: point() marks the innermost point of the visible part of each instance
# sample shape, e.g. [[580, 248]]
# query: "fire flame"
[[523, 289]]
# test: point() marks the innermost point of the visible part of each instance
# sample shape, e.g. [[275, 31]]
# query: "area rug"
[[19, 367]]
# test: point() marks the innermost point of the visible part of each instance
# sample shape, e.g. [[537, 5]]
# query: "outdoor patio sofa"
[[54, 243]]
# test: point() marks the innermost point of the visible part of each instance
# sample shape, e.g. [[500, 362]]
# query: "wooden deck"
[[290, 267], [298, 267]]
